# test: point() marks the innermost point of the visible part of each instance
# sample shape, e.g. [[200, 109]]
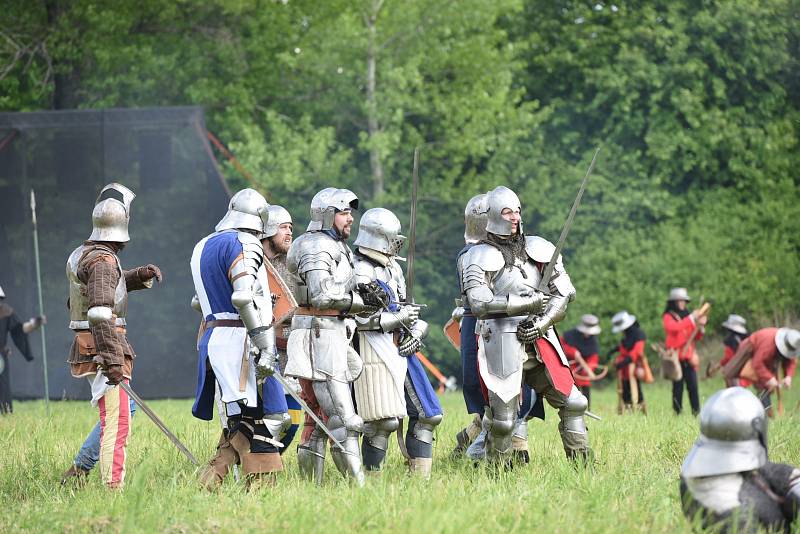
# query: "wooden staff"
[[634, 385], [702, 312]]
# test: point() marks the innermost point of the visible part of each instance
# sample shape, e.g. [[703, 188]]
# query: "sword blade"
[[158, 422], [548, 272], [412, 229], [304, 406]]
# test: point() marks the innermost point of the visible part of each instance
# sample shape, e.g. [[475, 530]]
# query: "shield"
[[452, 331], [283, 302]]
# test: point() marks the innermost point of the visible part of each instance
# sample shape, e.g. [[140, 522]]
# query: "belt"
[[230, 323], [120, 329], [302, 310]]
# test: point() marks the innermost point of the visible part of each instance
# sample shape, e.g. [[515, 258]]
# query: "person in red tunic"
[[631, 353], [758, 359], [679, 325], [581, 343], [735, 328]]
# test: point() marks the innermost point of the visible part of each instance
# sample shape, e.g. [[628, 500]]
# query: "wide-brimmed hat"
[[736, 323], [622, 321], [589, 325], [678, 293], [788, 342]]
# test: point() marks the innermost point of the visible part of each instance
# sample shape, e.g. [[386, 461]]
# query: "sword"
[[548, 271], [288, 387], [412, 229], [159, 423]]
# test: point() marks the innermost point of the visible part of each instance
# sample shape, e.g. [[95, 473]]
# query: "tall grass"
[[632, 488]]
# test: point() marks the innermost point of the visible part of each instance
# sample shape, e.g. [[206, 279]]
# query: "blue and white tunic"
[[224, 351]]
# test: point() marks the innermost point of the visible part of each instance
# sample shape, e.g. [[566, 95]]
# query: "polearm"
[[41, 302]]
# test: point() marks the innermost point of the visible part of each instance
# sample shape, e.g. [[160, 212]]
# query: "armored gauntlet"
[[412, 342]]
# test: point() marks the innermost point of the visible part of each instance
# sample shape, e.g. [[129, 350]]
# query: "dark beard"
[[512, 248]]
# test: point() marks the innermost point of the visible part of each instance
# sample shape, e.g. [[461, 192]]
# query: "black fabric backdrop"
[[163, 155]]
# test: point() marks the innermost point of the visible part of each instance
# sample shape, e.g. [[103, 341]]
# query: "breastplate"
[[520, 279], [78, 297]]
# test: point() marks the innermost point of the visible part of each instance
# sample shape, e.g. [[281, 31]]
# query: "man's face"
[[681, 304], [282, 239], [512, 216], [343, 222]]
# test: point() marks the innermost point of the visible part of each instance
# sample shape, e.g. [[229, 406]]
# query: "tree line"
[[695, 106]]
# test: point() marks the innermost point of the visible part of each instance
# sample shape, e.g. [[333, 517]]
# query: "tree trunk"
[[373, 126], [65, 80]]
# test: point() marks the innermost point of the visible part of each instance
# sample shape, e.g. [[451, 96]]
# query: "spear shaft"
[[41, 302]]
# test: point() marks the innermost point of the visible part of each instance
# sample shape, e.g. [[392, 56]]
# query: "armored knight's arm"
[[562, 293], [316, 264], [481, 263], [384, 320], [255, 316]]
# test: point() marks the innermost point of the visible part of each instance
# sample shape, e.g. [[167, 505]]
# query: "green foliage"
[[695, 105], [633, 488]]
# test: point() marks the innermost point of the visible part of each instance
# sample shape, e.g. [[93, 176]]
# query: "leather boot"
[[214, 472], [75, 475]]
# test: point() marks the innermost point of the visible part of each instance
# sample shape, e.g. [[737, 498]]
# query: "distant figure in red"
[[629, 362], [581, 348], [759, 357], [735, 327], [679, 325]]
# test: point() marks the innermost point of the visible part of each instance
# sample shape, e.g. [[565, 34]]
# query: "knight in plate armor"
[[98, 305], [319, 351], [472, 439], [517, 341], [727, 483], [237, 345], [393, 384]]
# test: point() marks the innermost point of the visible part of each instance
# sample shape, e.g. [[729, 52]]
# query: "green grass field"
[[633, 488]]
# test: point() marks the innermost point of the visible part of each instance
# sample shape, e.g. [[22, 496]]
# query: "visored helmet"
[[247, 210], [326, 203], [112, 213], [379, 229], [277, 216], [733, 435], [475, 219], [497, 200]]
